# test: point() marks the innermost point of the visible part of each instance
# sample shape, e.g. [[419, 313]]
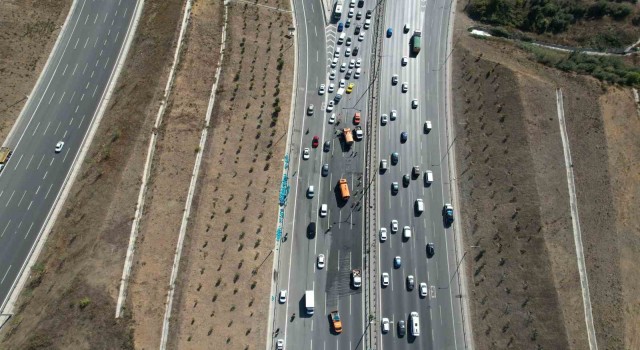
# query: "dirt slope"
[[525, 285]]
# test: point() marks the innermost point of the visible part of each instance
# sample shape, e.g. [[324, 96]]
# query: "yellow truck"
[[348, 136], [344, 189], [5, 154]]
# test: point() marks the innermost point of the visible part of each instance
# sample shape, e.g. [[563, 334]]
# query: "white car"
[[414, 103], [352, 63], [367, 23], [359, 134], [361, 37], [343, 67], [405, 87], [334, 62], [59, 146], [283, 296], [394, 79], [404, 61], [350, 14], [347, 52], [384, 119], [358, 62], [305, 154], [407, 27], [394, 225], [427, 126], [358, 72], [323, 210], [423, 289], [331, 87], [321, 89], [394, 114], [336, 54], [321, 261], [330, 106], [406, 232], [332, 74], [383, 165], [332, 118], [385, 279], [280, 344], [311, 191], [385, 325], [342, 83], [383, 234]]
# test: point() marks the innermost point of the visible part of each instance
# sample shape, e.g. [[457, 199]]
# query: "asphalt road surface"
[[338, 235], [61, 108], [440, 312]]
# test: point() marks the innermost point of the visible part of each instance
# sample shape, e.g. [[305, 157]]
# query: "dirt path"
[[71, 295], [226, 277]]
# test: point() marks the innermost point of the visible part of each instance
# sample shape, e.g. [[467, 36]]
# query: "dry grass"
[[71, 296], [226, 279]]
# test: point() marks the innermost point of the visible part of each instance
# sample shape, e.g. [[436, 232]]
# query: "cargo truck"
[[5, 154], [348, 136], [344, 189], [416, 42], [336, 322], [356, 278], [337, 10], [309, 302]]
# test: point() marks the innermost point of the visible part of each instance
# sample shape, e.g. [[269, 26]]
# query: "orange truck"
[[344, 189], [348, 136], [336, 322]]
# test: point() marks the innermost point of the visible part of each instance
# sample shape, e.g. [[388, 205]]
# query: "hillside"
[[588, 24]]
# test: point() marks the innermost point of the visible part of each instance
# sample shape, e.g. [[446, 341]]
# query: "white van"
[[341, 38], [428, 177], [406, 232], [419, 206], [414, 324]]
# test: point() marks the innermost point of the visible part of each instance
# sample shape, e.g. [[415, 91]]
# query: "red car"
[[356, 118], [315, 142]]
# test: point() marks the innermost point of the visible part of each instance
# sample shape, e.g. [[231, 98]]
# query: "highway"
[[62, 108], [338, 235], [440, 311]]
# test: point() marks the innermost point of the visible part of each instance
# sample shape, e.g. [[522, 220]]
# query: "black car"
[[347, 24], [404, 136], [325, 169], [327, 146], [311, 230], [405, 180], [357, 30], [394, 187], [355, 51], [394, 158], [402, 328], [431, 250], [368, 16]]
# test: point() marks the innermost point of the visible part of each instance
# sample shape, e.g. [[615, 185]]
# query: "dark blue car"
[[389, 32], [340, 27]]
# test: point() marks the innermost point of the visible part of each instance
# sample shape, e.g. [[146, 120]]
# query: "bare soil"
[[27, 34], [71, 296], [525, 287], [226, 273]]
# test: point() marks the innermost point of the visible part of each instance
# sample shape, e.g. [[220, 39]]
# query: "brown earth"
[[27, 34], [71, 296], [525, 287], [226, 272]]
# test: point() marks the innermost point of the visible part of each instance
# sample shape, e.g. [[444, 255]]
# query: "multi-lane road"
[[61, 108], [424, 74], [339, 235]]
